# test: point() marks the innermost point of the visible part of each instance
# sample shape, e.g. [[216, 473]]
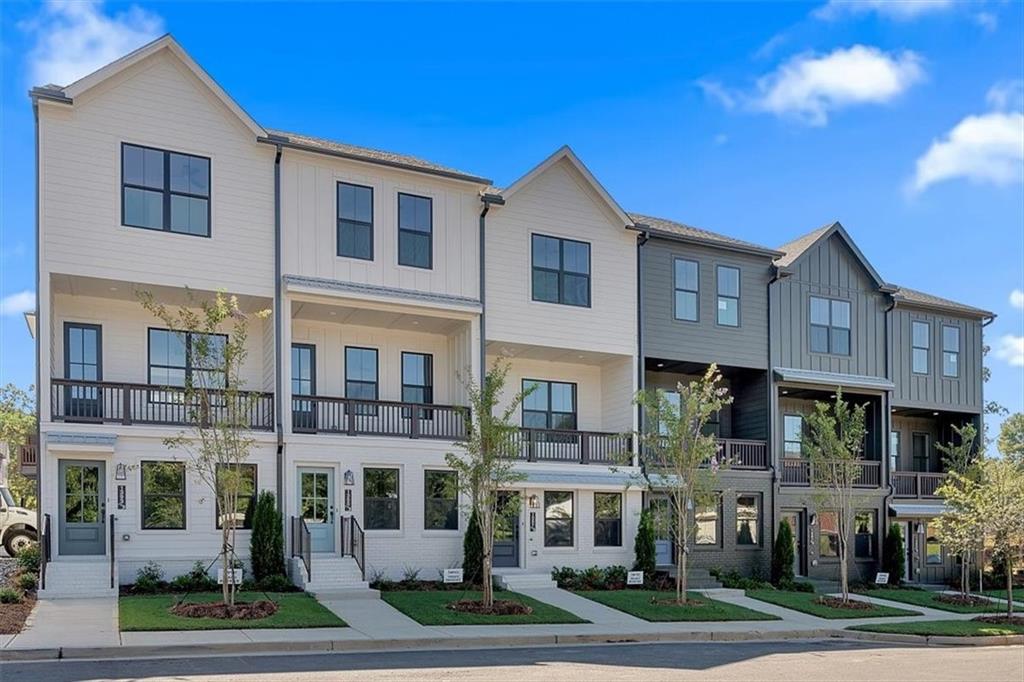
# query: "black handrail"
[[112, 552], [357, 545], [301, 546], [44, 554]]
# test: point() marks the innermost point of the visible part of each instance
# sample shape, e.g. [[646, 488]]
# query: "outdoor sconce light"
[[920, 528], [533, 501], [814, 519], [121, 472], [350, 478]]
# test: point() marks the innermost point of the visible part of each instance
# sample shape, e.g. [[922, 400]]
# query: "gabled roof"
[[164, 42], [795, 250], [380, 157], [920, 298], [662, 227], [566, 153]]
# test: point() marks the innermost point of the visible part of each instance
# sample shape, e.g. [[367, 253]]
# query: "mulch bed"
[[838, 603], [961, 600], [502, 607], [1000, 620], [673, 602], [240, 611], [12, 616]]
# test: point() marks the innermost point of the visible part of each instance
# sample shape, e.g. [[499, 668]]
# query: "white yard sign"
[[881, 578], [453, 575], [635, 578]]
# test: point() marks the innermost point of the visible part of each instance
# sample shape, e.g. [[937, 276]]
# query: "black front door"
[[506, 531]]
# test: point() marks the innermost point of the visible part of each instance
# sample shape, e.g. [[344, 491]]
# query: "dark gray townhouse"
[[788, 327]]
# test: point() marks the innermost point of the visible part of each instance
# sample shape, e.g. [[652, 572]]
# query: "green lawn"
[[143, 613], [1018, 594], [638, 603], [429, 608], [949, 628], [928, 598], [805, 602]]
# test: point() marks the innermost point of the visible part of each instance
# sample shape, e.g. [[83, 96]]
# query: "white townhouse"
[[391, 280]]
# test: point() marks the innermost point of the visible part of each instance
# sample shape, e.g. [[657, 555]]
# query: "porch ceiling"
[[126, 290], [384, 318], [551, 353]]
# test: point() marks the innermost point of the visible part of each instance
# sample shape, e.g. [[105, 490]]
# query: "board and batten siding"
[[830, 270], [158, 103], [705, 340], [309, 220], [933, 390], [557, 203]]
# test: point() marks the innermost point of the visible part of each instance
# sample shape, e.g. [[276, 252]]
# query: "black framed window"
[[381, 507], [558, 531], [163, 495], [417, 377], [920, 343], [864, 531], [355, 221], [707, 518], [164, 190], [550, 405], [83, 361], [561, 271], [728, 279], [303, 383], [895, 446], [828, 535], [361, 377], [748, 519], [919, 451], [245, 504], [440, 500], [415, 231], [950, 351], [686, 276], [607, 519], [185, 359], [830, 326], [793, 430]]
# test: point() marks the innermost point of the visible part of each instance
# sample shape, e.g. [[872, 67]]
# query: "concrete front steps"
[[517, 579], [698, 579], [333, 577], [69, 578]]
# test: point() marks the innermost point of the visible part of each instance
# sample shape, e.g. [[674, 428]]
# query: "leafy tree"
[[833, 442], [680, 457], [216, 408], [646, 554], [266, 545], [485, 464], [959, 529], [893, 554], [472, 551], [17, 425], [998, 500], [1011, 438], [782, 556]]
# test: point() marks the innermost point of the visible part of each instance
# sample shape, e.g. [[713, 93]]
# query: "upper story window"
[[561, 271], [417, 378], [920, 344], [550, 405], [186, 358], [355, 221], [728, 295], [303, 383], [950, 351], [83, 360], [687, 289], [830, 326], [920, 451], [793, 429], [163, 190], [361, 376], [895, 445], [415, 231]]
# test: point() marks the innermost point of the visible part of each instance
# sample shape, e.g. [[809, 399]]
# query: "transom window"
[[355, 221], [607, 519], [246, 500], [550, 405], [687, 289], [380, 499], [558, 519], [186, 359], [728, 295], [561, 271], [415, 231], [830, 326], [950, 351], [793, 429], [920, 341], [441, 500], [361, 376], [162, 190], [163, 495]]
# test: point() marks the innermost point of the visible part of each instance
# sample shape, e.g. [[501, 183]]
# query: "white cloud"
[[988, 148], [900, 10], [1011, 349], [17, 304], [718, 92], [987, 21], [1006, 96], [1017, 299], [809, 87], [73, 38]]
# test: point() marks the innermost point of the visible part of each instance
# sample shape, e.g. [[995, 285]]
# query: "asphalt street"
[[832, 660]]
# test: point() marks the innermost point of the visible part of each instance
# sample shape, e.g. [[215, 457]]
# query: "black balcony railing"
[[122, 403], [798, 471], [352, 417], [563, 445], [916, 484], [743, 454]]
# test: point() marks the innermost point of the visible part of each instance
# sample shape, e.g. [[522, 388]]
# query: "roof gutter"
[[752, 249]]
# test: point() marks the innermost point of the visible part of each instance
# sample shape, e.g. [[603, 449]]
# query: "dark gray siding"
[[704, 341], [830, 270], [933, 390], [749, 560], [750, 408]]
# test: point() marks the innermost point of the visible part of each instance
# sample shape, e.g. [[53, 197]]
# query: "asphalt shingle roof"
[[921, 298], [684, 230], [795, 248]]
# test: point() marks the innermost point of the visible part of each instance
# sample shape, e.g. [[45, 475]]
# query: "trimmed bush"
[[9, 595], [646, 557], [893, 554], [472, 552], [593, 578], [734, 581], [27, 581], [782, 555], [266, 546], [149, 579], [29, 558], [196, 580]]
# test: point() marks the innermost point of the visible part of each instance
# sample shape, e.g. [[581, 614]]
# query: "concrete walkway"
[[72, 622], [375, 619]]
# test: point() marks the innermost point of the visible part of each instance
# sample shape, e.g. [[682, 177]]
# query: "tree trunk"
[[487, 533], [682, 567], [844, 568], [1009, 586], [225, 562]]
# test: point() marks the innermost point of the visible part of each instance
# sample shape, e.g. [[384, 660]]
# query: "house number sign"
[[122, 497]]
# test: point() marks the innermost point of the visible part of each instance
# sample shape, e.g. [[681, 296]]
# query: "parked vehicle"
[[17, 524]]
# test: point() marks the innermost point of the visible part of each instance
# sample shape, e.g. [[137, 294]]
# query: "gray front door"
[[316, 505], [661, 513], [82, 520], [506, 531]]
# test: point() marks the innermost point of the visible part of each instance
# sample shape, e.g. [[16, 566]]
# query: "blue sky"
[[763, 121]]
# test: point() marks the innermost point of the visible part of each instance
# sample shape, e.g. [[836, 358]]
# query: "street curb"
[[441, 643]]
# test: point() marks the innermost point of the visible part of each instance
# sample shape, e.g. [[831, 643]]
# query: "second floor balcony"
[[798, 471], [920, 485]]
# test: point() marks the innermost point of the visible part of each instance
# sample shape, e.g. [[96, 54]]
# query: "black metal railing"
[[356, 545], [565, 445], [44, 551], [743, 454], [28, 458], [125, 403], [799, 472], [301, 545], [112, 552], [352, 417], [916, 484]]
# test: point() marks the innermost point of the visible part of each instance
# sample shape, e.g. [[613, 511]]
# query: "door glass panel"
[[315, 496]]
